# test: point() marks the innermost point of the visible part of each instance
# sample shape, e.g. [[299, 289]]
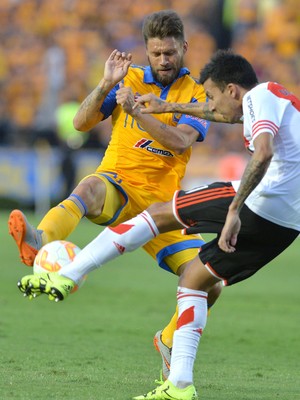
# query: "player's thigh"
[[253, 252], [171, 250], [197, 277], [122, 200]]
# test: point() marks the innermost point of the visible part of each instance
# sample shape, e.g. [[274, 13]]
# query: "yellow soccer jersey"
[[132, 152]]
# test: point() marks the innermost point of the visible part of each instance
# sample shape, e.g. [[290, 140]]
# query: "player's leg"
[[181, 251], [128, 236], [175, 262], [192, 315], [30, 239], [165, 336], [113, 242], [87, 199], [192, 306], [56, 286]]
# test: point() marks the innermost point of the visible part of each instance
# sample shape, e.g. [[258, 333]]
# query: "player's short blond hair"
[[163, 24]]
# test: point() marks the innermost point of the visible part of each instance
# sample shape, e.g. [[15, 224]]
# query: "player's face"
[[227, 102], [165, 58]]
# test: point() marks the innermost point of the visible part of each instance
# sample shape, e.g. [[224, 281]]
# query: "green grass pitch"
[[98, 343]]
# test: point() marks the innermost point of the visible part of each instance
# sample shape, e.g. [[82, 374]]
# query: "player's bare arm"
[[178, 139], [173, 138], [253, 174], [115, 70], [154, 105]]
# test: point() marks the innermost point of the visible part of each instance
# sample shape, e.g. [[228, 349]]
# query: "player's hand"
[[116, 66], [126, 98], [150, 104], [229, 234]]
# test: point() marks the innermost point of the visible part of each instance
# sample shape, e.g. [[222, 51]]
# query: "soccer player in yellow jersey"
[[145, 160]]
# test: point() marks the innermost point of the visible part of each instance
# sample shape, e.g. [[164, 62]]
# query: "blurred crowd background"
[[52, 55]]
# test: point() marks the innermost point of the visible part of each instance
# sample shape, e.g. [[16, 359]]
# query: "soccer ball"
[[54, 256]]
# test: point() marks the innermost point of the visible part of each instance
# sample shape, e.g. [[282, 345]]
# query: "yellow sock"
[[60, 221], [168, 331]]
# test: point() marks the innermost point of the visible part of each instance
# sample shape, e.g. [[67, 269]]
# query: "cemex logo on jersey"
[[145, 144]]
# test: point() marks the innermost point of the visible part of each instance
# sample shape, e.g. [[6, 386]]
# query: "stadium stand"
[[50, 46]]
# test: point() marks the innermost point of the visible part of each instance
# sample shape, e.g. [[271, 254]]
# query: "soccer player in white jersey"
[[255, 219]]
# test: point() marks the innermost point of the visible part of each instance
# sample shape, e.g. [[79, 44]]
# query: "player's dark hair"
[[227, 67], [163, 24]]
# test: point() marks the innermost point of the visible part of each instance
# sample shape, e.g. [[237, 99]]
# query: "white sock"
[[192, 314], [111, 243]]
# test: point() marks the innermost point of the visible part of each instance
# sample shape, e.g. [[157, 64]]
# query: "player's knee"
[[162, 215], [92, 191]]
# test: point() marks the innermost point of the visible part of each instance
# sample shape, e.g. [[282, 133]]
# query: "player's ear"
[[233, 90], [185, 46]]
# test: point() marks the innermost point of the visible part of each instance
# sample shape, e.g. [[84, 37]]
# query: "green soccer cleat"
[[27, 238], [57, 287], [165, 353], [167, 391]]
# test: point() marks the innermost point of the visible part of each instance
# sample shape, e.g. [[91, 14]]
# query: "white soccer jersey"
[[269, 107]]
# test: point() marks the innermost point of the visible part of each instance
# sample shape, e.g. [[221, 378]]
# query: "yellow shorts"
[[124, 201]]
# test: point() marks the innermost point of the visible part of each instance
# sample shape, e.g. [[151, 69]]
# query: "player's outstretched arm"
[[152, 104], [116, 68]]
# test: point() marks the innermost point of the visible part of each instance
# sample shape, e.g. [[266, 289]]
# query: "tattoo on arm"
[[252, 175], [164, 126], [94, 97], [200, 110], [159, 101], [210, 115]]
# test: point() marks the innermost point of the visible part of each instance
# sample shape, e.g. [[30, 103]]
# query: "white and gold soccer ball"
[[54, 256]]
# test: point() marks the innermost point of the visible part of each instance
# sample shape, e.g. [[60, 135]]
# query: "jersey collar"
[[148, 77]]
